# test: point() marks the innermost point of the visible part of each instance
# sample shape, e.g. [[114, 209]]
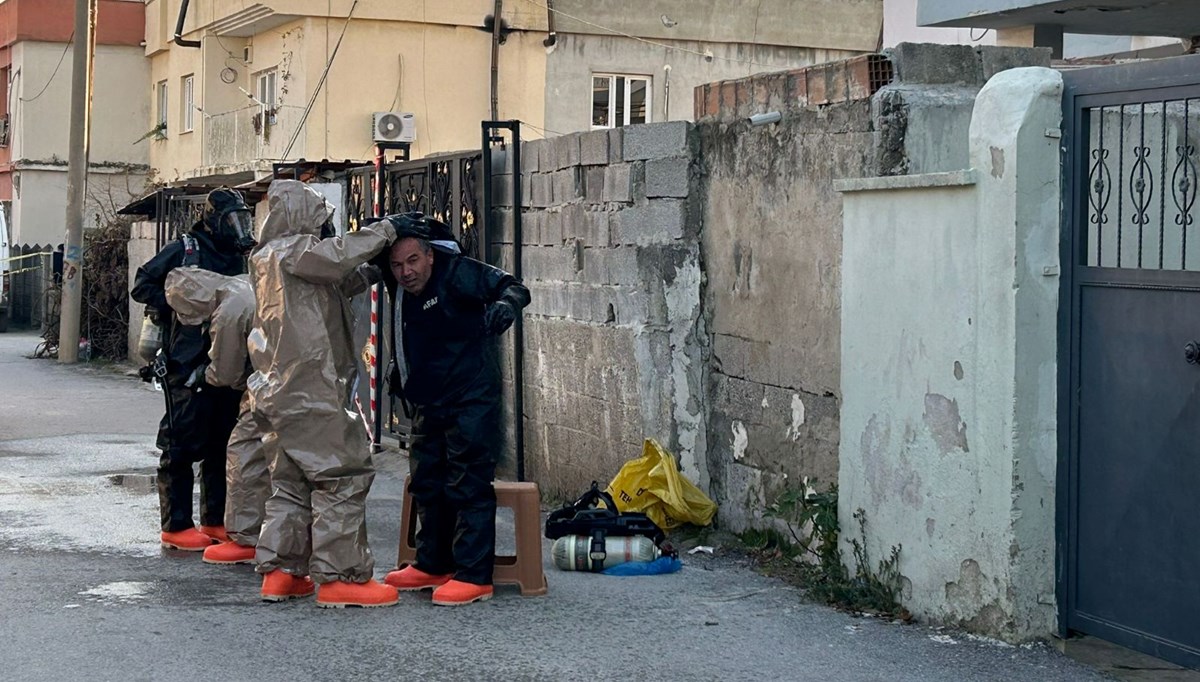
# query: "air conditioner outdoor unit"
[[394, 126]]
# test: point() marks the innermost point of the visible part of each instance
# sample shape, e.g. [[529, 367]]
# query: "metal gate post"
[[490, 129]]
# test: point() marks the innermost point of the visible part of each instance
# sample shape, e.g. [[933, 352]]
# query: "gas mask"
[[228, 220], [328, 231], [237, 228]]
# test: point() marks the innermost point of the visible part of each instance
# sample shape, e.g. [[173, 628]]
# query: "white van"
[[5, 266]]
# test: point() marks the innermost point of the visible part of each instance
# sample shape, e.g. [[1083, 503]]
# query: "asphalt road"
[[88, 594]]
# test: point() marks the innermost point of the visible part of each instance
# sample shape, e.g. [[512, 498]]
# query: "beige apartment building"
[[224, 111]]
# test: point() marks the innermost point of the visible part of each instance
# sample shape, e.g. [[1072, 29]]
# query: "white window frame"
[[266, 89], [612, 88], [162, 96], [187, 96]]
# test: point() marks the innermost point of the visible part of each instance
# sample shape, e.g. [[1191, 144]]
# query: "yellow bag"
[[651, 484]]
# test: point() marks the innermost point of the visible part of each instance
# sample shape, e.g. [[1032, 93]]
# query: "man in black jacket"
[[199, 418], [447, 319]]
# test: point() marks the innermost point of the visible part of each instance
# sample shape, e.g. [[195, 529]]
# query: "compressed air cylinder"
[[149, 341], [573, 552]]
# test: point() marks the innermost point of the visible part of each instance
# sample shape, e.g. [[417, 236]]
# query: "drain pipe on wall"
[[667, 88], [183, 8], [496, 25], [551, 39]]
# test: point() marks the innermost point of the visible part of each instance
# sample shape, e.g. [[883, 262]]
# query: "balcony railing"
[[251, 134]]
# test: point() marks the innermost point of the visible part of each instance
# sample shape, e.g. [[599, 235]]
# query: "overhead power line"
[[46, 87], [666, 46], [320, 83]]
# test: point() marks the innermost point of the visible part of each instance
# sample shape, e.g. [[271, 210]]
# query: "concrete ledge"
[[962, 178]]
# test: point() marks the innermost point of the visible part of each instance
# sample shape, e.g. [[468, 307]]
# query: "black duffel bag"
[[586, 517]]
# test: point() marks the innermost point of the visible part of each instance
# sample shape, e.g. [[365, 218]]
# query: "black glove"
[[410, 224], [498, 317], [195, 380]]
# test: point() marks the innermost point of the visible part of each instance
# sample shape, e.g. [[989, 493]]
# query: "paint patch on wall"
[[889, 472], [944, 423], [793, 431], [740, 440]]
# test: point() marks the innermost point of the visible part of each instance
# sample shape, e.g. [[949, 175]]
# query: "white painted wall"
[[949, 323], [40, 118], [41, 101], [39, 206]]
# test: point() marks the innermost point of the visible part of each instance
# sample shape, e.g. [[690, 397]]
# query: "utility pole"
[[81, 115]]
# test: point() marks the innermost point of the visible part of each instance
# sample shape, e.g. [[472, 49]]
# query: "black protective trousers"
[[195, 428], [454, 454]]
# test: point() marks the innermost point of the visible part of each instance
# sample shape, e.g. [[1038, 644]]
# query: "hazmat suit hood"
[[295, 209], [226, 305]]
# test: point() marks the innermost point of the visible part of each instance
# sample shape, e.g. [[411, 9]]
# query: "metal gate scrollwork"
[[445, 188]]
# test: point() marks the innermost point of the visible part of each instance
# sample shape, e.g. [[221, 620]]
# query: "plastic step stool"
[[523, 569]]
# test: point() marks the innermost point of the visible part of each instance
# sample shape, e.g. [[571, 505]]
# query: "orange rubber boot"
[[188, 540], [458, 593], [411, 578], [215, 532], [339, 594], [280, 586], [229, 553]]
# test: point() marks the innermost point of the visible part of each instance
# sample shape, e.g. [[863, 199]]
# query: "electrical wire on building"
[[543, 131], [707, 54], [66, 49], [320, 82]]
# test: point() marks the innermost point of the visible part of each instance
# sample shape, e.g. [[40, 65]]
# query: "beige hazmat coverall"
[[304, 361], [226, 304]]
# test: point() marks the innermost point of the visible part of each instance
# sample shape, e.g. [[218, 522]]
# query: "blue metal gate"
[[1129, 516]]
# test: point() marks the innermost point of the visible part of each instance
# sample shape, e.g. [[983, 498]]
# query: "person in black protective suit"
[[199, 417], [446, 365]]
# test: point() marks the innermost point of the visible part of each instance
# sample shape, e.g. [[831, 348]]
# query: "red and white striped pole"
[[373, 354]]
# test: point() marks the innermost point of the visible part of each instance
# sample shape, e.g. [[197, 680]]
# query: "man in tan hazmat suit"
[[302, 351], [226, 305]]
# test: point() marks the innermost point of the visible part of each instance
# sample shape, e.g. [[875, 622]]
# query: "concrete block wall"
[[922, 96], [772, 243], [836, 82], [772, 250], [613, 348], [686, 278]]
